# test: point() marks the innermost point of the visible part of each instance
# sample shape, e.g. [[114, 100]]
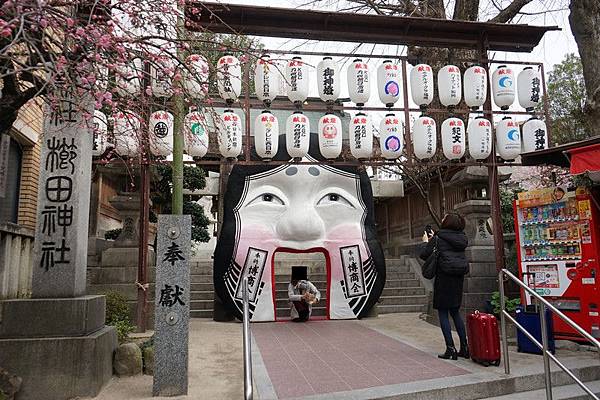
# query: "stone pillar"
[[61, 328], [482, 278]]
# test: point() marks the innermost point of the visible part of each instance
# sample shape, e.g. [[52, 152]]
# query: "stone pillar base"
[[55, 365]]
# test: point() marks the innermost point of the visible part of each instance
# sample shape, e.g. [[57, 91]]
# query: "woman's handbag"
[[429, 268]]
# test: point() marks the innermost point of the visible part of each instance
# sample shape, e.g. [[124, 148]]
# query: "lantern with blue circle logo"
[[391, 140], [388, 83], [508, 139], [503, 87]]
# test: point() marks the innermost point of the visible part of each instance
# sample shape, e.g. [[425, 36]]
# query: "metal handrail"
[[248, 388], [543, 303]]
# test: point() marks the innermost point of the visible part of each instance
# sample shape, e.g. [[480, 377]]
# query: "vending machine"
[[558, 234]]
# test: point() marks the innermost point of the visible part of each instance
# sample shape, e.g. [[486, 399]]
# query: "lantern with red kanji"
[[361, 136], [388, 83], [475, 87], [229, 78], [128, 78], [161, 133], [508, 139], [390, 137], [421, 85], [503, 87], [479, 135], [100, 133], [230, 134], [266, 135], [126, 129], [195, 76], [453, 138], [266, 79], [296, 73], [449, 85], [195, 134], [529, 84], [359, 86], [330, 136], [297, 134], [424, 137], [535, 135], [161, 74], [328, 79]]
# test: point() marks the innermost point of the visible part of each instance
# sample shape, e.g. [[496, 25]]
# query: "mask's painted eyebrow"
[[314, 171], [291, 171]]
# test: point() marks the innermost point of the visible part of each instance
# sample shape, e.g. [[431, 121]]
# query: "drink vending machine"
[[558, 236]]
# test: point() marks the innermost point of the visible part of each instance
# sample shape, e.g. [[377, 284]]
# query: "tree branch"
[[510, 12]]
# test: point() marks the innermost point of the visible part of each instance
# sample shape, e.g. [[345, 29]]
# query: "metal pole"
[[503, 323], [248, 389], [544, 327]]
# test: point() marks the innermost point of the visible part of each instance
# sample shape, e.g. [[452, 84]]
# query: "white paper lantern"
[[99, 133], [361, 136], [195, 134], [161, 133], [503, 87], [390, 137], [229, 77], [424, 137], [230, 134], [449, 85], [453, 138], [161, 75], [195, 76], [529, 88], [128, 78], [297, 134], [508, 139], [266, 135], [535, 135], [388, 83], [126, 129], [330, 136], [475, 86], [479, 134], [296, 73], [421, 85], [328, 79], [266, 79], [359, 86]]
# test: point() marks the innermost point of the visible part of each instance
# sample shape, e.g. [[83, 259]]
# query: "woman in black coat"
[[448, 285]]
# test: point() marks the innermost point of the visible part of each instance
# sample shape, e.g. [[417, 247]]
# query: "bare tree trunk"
[[585, 25]]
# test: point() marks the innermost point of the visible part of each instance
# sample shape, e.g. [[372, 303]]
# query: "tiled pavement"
[[321, 357]]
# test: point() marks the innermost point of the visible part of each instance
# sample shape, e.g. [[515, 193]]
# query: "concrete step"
[[565, 392], [397, 268], [202, 287], [403, 291], [201, 305], [403, 300], [197, 278], [201, 313], [410, 308], [283, 312], [202, 295], [397, 283]]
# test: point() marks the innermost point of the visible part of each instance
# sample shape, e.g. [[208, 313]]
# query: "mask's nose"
[[300, 224]]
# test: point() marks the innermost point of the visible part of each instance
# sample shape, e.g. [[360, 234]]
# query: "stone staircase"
[[403, 290]]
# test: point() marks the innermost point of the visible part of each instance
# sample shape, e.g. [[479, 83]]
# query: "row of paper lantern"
[[267, 74], [509, 143], [450, 86]]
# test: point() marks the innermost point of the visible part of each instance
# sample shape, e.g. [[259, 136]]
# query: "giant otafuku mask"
[[299, 208]]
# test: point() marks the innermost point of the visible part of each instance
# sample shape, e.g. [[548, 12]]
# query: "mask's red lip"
[[321, 250]]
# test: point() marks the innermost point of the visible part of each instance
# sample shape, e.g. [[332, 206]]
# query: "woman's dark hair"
[[453, 221]]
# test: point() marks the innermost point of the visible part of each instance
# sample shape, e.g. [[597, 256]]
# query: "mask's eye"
[[334, 198], [269, 198]]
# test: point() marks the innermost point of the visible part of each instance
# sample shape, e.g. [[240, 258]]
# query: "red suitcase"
[[484, 339]]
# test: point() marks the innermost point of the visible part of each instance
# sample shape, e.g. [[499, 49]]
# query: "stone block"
[[148, 360], [482, 269], [480, 284], [63, 367], [9, 385], [128, 360], [124, 257], [33, 318], [481, 253]]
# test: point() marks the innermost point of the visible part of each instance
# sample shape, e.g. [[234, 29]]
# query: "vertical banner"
[[60, 255], [172, 308]]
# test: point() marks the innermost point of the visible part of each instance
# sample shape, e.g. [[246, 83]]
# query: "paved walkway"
[[392, 355]]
